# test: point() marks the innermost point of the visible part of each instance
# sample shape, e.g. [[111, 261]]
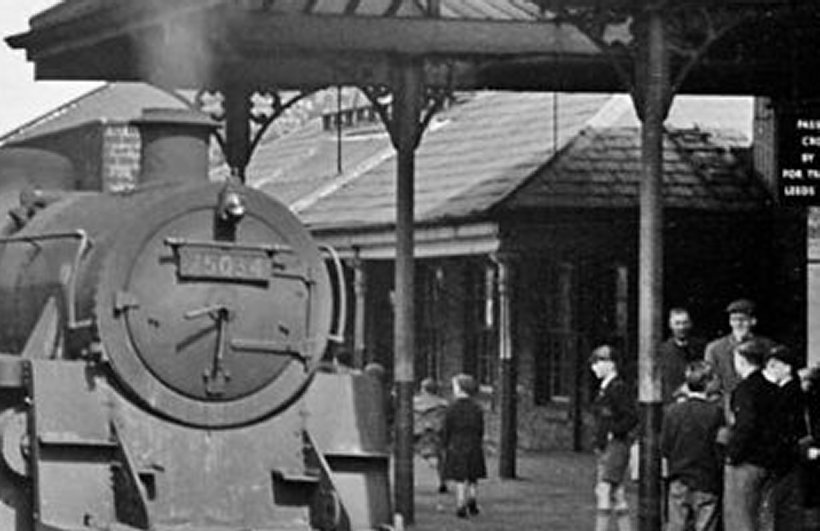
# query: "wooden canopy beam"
[[115, 49], [411, 36], [201, 43]]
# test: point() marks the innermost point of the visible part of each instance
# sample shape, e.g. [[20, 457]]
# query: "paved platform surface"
[[553, 491]]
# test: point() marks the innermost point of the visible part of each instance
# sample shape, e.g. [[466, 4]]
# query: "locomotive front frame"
[[97, 433]]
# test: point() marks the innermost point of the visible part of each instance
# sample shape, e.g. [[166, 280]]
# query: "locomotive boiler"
[[159, 361]]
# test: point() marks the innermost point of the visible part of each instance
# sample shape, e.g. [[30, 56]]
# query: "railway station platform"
[[553, 491]]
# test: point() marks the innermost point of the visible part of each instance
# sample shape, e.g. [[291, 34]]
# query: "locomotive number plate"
[[226, 264]]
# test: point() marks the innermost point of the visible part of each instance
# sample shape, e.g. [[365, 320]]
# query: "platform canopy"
[[500, 44]]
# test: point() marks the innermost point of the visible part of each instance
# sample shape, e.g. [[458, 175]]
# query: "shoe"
[[472, 507], [461, 512], [442, 488]]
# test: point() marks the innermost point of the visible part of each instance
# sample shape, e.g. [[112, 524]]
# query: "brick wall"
[[120, 156], [105, 155], [540, 428]]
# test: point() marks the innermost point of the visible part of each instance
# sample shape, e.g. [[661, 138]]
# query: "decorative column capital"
[[621, 32], [508, 258], [428, 97]]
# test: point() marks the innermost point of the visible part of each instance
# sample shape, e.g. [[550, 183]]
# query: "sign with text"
[[799, 158]]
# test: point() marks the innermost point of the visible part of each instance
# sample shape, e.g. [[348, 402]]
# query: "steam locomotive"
[[161, 355]]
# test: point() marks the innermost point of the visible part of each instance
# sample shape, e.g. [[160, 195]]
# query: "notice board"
[[798, 138]]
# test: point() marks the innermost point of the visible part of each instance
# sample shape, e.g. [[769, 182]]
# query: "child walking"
[[462, 439], [428, 422], [615, 420]]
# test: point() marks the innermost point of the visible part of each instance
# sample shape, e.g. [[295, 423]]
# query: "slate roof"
[[504, 151], [110, 102], [518, 10], [490, 9], [305, 161], [601, 168], [473, 154]]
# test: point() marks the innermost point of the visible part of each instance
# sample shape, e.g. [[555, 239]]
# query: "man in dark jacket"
[[720, 352], [787, 497], [751, 453], [677, 352]]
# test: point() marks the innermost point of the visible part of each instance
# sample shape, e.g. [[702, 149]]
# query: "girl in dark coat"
[[462, 439]]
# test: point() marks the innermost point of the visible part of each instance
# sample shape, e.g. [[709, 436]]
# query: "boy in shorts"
[[615, 419]]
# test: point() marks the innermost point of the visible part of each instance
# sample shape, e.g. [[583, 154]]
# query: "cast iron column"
[[407, 108], [359, 291], [237, 129], [654, 86], [507, 380]]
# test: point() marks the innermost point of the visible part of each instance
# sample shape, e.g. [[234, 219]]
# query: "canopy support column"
[[406, 117], [653, 88], [405, 132], [359, 291], [507, 371], [237, 129]]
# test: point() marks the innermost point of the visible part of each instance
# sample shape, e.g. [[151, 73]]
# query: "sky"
[[24, 98]]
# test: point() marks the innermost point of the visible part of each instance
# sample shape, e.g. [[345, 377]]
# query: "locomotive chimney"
[[175, 145]]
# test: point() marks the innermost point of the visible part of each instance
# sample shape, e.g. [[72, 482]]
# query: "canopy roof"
[[500, 152], [502, 44]]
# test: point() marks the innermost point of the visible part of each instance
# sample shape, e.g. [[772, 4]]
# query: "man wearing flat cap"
[[719, 353]]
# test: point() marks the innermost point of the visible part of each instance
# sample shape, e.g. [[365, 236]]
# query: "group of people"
[[739, 433], [451, 436]]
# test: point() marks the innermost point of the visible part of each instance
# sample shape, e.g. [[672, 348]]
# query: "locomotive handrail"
[[71, 283], [337, 334], [268, 248]]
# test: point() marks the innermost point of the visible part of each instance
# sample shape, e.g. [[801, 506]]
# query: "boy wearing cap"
[[688, 442], [719, 353], [751, 452], [615, 419], [787, 496]]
